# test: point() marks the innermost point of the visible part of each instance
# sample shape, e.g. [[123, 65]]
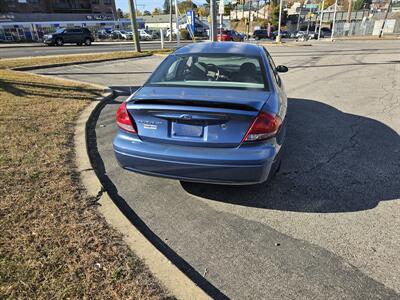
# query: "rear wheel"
[[59, 42], [88, 42], [79, 44]]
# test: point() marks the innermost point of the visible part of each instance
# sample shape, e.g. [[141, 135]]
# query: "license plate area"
[[180, 129]]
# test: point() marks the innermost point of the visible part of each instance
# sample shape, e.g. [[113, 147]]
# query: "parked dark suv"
[[63, 36], [260, 34]]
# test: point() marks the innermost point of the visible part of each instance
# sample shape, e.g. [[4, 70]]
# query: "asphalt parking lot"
[[328, 225]]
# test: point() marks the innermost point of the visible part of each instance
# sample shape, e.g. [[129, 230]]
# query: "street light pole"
[[384, 20], [213, 13], [309, 21], [298, 19], [178, 38], [334, 21], [320, 19], [170, 20], [135, 35], [250, 16], [278, 37]]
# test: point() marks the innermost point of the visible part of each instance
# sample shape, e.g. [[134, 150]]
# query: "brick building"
[[104, 7]]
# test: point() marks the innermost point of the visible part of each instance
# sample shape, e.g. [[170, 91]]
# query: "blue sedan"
[[210, 112]]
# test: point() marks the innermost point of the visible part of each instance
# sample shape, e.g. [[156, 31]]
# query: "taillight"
[[123, 119], [263, 127]]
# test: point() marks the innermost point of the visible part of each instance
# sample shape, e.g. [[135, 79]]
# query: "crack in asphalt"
[[335, 154], [390, 106]]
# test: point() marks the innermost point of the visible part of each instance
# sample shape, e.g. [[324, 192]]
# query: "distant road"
[[25, 51]]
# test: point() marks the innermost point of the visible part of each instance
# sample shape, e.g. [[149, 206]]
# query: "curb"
[[383, 38], [162, 268], [285, 45]]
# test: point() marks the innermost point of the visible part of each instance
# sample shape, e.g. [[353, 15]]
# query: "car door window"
[[273, 67]]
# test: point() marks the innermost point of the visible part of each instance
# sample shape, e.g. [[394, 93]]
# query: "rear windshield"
[[210, 71]]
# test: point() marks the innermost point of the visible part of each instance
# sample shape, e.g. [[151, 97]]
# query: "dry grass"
[[53, 242], [73, 58]]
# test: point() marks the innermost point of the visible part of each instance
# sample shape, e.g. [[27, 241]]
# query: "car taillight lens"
[[123, 119], [263, 127]]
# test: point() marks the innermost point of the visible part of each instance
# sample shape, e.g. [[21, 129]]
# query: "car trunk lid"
[[193, 116]]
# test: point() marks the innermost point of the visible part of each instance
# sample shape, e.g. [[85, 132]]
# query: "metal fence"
[[369, 25]]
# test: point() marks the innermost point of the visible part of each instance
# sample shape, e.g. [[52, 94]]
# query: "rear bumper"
[[242, 165]]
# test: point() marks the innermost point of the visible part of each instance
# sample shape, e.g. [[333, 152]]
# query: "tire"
[[79, 44], [88, 42], [59, 42]]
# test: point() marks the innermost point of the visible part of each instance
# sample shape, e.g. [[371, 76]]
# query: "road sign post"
[[162, 38], [278, 37], [221, 11]]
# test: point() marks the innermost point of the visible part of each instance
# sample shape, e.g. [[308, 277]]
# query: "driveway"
[[328, 225]]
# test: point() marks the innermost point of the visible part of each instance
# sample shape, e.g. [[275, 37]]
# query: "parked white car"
[[143, 35], [169, 32], [126, 35]]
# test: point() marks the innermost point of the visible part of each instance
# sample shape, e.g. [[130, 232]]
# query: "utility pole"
[[170, 20], [250, 11], [334, 21], [298, 19], [258, 8], [243, 3], [384, 20], [265, 9], [135, 35], [213, 13], [178, 38], [348, 20], [349, 11], [320, 19], [309, 21], [236, 10], [278, 37]]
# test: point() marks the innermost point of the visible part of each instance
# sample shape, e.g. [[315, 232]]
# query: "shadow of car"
[[333, 162]]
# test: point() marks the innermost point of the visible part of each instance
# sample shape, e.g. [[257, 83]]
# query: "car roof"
[[218, 47]]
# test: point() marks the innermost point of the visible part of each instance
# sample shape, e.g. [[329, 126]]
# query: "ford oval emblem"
[[186, 117]]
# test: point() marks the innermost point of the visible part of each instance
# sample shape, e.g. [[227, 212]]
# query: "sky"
[[146, 4]]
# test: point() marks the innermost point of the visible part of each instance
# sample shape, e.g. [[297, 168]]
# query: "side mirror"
[[282, 69]]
